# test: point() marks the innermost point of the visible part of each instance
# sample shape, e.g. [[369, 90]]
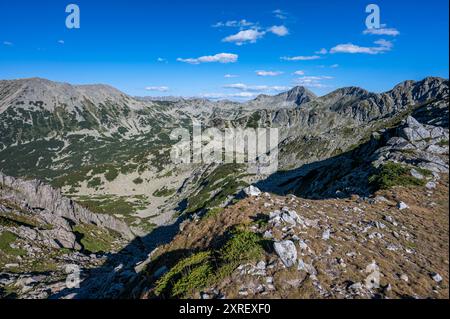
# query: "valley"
[[141, 226]]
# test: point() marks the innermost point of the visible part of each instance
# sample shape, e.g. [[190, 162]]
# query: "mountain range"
[[109, 154]]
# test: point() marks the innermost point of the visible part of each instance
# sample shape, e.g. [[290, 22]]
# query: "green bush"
[[393, 174], [164, 192], [111, 175], [213, 212], [95, 182], [244, 246], [188, 274], [205, 268]]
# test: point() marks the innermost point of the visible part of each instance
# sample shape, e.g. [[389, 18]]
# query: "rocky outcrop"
[[40, 196]]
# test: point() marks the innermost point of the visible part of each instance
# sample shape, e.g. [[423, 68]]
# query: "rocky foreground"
[[392, 243], [328, 248]]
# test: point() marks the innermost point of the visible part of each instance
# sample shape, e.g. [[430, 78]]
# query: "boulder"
[[414, 131], [287, 252], [252, 191], [402, 206], [416, 174]]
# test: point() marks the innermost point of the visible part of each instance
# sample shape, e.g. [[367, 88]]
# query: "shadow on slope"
[[342, 175], [109, 280]]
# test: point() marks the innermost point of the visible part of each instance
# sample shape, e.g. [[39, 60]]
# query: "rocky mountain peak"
[[299, 95]]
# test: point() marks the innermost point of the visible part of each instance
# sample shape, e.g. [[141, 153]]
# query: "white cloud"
[[234, 23], [312, 81], [279, 30], [300, 58], [334, 66], [280, 14], [268, 73], [251, 35], [322, 51], [7, 43], [382, 46], [255, 88], [229, 76], [61, 41], [161, 60], [299, 72], [382, 31], [157, 88], [239, 95], [220, 58]]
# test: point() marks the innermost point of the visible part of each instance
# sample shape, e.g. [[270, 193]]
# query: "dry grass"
[[422, 229]]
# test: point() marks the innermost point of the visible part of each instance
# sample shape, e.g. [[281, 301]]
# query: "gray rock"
[[402, 206], [261, 265], [39, 195], [416, 174], [435, 149], [252, 191], [326, 234], [414, 131], [431, 185], [302, 266], [287, 252], [436, 277], [288, 219]]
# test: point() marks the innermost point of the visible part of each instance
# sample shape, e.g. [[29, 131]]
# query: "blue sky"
[[188, 48]]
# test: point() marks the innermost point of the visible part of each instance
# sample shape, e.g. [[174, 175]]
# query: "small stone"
[[430, 185], [243, 292], [204, 296], [404, 277], [402, 206], [274, 214], [288, 219], [268, 234], [416, 174], [392, 247], [356, 286], [261, 265], [436, 277], [302, 244], [326, 234], [380, 198], [341, 262], [306, 267], [252, 191], [260, 289]]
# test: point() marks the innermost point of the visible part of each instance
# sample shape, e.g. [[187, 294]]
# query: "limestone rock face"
[[38, 195]]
